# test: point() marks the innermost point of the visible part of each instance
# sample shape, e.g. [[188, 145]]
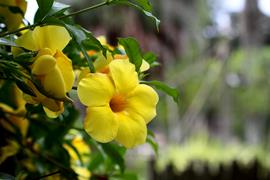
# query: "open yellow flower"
[[12, 20], [118, 106], [51, 67]]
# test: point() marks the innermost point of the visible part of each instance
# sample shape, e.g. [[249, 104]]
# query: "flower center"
[[118, 103]]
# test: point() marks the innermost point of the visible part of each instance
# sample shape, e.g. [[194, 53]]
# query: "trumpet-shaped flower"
[[51, 67], [118, 106], [11, 19]]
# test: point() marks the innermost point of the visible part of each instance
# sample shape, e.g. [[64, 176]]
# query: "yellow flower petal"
[[52, 37], [82, 73], [102, 40], [145, 66], [132, 130], [124, 76], [101, 62], [101, 124], [65, 65], [143, 101], [96, 89], [27, 41], [54, 84], [43, 65], [53, 114]]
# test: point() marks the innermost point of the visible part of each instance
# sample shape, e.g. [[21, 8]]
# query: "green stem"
[[107, 2], [85, 9]]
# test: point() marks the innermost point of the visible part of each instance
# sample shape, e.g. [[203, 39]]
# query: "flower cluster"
[[40, 91], [118, 106], [51, 67]]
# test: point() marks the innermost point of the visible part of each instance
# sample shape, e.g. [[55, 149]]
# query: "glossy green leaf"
[[57, 9], [150, 57], [165, 88], [44, 6], [133, 51], [81, 36], [145, 4]]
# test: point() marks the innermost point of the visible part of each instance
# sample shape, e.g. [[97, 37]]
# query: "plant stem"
[[85, 9], [18, 30], [61, 17], [47, 175]]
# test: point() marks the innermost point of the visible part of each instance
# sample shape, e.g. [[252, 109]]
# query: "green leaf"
[[57, 9], [44, 6], [150, 139], [133, 51], [96, 160], [7, 42], [145, 4], [82, 36], [116, 154], [165, 88], [150, 57], [141, 5]]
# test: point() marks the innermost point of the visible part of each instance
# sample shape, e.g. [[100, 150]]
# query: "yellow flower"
[[118, 106], [101, 63], [12, 20], [84, 150], [51, 67]]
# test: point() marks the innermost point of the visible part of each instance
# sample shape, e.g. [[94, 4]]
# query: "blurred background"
[[217, 54]]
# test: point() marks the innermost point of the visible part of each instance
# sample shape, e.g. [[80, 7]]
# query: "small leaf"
[[150, 57], [145, 4], [165, 88], [133, 51], [150, 139]]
